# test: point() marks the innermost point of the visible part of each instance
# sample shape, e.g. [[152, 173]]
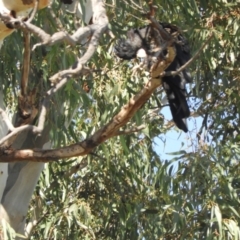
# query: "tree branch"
[[130, 131], [108, 131], [26, 63], [34, 11], [100, 21]]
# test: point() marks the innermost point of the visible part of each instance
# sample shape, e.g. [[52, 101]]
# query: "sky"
[[175, 140]]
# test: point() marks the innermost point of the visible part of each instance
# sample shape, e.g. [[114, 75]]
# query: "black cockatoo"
[[142, 38]]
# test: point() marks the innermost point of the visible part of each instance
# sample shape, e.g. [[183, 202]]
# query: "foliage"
[[124, 190]]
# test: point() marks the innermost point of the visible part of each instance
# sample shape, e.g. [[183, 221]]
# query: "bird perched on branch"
[[142, 40]]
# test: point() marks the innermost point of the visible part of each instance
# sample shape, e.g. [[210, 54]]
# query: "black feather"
[[175, 86]]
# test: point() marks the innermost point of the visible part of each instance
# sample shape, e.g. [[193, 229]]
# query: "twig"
[[34, 11], [75, 19], [130, 131], [58, 22]]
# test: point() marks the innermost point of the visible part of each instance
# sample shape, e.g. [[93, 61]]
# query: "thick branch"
[[100, 21], [85, 147], [109, 130]]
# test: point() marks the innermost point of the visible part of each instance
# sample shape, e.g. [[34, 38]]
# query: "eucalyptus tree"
[[80, 128]]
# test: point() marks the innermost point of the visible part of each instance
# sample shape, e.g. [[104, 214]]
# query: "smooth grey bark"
[[21, 181]]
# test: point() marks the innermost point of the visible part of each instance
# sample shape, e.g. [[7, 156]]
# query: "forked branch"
[[111, 129]]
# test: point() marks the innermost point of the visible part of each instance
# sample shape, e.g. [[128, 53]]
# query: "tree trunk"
[[18, 180]]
